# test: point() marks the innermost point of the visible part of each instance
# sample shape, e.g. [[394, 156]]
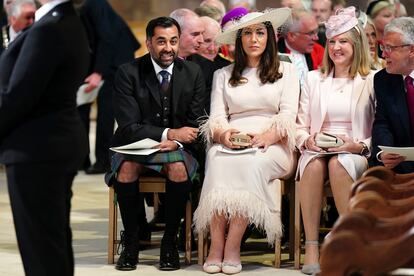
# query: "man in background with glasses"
[[394, 90], [299, 41]]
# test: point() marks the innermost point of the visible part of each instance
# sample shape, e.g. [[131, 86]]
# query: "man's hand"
[[184, 135], [391, 160], [167, 145], [93, 80]]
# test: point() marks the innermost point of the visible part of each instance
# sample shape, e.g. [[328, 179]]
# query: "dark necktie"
[[165, 83], [410, 102]]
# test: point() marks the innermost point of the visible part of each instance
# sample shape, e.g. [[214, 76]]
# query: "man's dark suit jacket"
[[392, 124], [39, 76], [137, 99], [111, 41]]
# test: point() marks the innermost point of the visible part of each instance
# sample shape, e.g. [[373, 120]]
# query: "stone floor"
[[89, 219]]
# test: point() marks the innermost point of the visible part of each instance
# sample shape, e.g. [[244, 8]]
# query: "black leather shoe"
[[97, 168], [169, 258], [129, 255]]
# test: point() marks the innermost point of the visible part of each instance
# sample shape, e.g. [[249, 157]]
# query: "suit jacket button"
[[158, 115]]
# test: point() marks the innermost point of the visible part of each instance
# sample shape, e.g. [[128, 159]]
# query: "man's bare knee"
[[176, 171], [129, 172]]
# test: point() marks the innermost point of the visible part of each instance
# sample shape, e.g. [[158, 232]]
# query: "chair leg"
[[278, 253], [297, 227], [292, 219], [200, 251], [188, 233], [278, 249], [112, 225]]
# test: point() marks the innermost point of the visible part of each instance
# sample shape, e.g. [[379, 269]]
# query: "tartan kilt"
[[154, 161]]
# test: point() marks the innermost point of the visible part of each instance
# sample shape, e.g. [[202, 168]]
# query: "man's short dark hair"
[[164, 22]]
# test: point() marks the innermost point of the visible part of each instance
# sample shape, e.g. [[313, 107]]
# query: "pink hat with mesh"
[[341, 22]]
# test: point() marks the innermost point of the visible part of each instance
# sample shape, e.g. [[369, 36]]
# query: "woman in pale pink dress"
[[257, 95], [338, 99]]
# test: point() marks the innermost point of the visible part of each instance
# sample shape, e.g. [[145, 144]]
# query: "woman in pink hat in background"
[[338, 99], [256, 95]]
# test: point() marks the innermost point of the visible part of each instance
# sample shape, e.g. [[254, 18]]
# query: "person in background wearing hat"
[[394, 90], [250, 97], [381, 12], [337, 99]]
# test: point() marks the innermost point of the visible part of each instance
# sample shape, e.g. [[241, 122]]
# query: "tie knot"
[[164, 74], [408, 80]]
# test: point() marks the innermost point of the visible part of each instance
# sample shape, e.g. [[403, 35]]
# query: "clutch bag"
[[326, 140], [242, 140]]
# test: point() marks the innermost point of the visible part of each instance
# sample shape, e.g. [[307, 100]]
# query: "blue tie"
[[165, 83]]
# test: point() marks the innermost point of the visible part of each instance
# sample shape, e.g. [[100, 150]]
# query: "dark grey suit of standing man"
[[42, 139]]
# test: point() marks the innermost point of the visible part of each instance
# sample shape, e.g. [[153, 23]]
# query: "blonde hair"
[[361, 61], [376, 62]]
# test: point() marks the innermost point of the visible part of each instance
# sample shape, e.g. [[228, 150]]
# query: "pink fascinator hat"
[[343, 20]]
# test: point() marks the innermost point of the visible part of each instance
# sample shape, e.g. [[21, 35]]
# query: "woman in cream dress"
[[257, 95], [338, 99]]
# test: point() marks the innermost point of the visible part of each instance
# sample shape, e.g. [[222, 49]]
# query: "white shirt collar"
[[43, 10], [158, 69], [13, 34]]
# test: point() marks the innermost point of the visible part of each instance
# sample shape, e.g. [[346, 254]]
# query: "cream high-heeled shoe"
[[212, 267], [311, 269], [231, 268]]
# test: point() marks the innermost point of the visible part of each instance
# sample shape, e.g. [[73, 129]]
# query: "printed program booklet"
[[141, 147]]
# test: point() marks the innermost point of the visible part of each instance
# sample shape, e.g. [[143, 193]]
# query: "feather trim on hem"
[[238, 203], [285, 127]]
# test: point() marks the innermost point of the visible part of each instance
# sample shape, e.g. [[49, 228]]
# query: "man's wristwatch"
[[365, 150]]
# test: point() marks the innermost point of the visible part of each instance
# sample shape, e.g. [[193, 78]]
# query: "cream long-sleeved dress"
[[246, 184]]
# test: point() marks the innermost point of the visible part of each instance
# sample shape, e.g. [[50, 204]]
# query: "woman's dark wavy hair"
[[269, 61]]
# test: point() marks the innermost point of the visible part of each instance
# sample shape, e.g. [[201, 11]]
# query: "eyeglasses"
[[310, 34], [390, 48]]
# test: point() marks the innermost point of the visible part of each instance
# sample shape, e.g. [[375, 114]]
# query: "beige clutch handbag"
[[326, 140], [240, 139]]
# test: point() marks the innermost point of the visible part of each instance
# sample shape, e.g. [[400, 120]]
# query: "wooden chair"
[[327, 192], [376, 236], [388, 175], [146, 185], [286, 188]]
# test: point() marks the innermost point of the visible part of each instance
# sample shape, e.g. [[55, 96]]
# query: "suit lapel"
[[151, 79], [177, 83], [357, 88], [324, 91], [400, 102]]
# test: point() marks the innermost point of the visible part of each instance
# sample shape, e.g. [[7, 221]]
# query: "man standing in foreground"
[[394, 91], [157, 96], [42, 139]]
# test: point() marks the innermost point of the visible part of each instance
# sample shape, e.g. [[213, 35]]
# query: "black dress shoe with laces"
[[169, 258], [129, 255]]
